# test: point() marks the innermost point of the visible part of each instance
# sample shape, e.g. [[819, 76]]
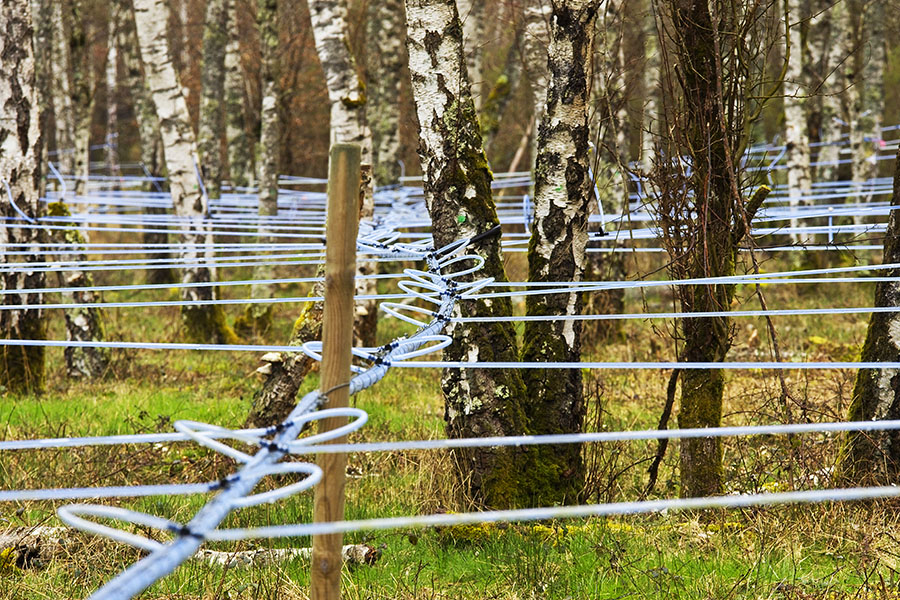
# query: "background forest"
[[635, 161]]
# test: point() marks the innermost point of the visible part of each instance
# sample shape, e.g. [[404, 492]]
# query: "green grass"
[[830, 551]]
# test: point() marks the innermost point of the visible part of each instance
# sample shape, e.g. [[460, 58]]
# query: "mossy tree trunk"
[[202, 322], [478, 402], [873, 457], [240, 148], [84, 322], [212, 116], [702, 213], [556, 252], [284, 372], [258, 317], [347, 96], [796, 135], [21, 367], [151, 139], [386, 62]]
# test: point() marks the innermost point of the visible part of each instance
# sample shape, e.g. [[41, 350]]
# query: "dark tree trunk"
[[873, 457]]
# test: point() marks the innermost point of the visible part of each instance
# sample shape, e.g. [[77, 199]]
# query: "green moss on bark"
[[207, 325]]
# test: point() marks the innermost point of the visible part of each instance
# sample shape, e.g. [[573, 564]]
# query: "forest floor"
[[797, 552]]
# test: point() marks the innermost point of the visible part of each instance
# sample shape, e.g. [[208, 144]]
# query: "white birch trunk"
[[42, 11], [112, 106], [471, 13], [832, 92], [386, 54], [148, 126], [562, 201], [84, 322], [457, 190], [61, 64], [795, 130], [206, 322], [21, 367], [346, 94], [650, 126], [536, 43]]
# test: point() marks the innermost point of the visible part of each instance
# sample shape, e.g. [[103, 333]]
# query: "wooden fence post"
[[341, 227]]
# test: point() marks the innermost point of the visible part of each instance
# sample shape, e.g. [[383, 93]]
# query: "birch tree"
[[258, 317], [21, 367], [202, 323], [84, 320], [385, 54], [478, 402], [240, 151], [536, 41], [61, 65], [347, 97], [873, 457], [285, 371], [152, 159], [210, 130], [854, 80], [562, 200], [112, 78], [83, 90], [835, 24], [471, 13], [42, 13], [869, 119], [796, 136]]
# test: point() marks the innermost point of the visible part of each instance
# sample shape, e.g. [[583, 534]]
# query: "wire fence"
[[399, 232]]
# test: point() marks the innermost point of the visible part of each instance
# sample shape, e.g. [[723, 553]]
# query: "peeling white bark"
[[347, 96], [179, 147], [21, 368], [561, 204], [535, 46]]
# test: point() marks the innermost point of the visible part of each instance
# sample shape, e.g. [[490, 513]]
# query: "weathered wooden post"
[[337, 338]]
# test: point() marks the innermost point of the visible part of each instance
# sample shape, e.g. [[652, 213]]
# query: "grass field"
[[829, 551]]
